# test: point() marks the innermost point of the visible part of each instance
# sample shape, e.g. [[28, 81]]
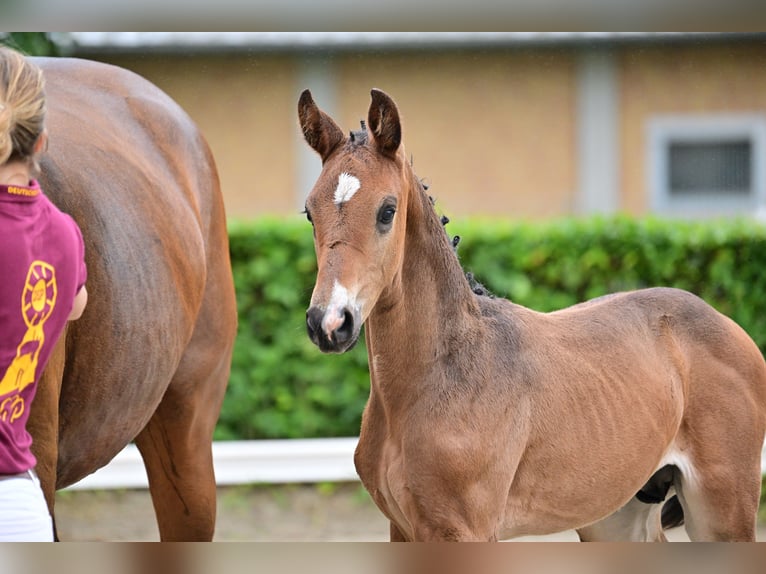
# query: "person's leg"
[[24, 515]]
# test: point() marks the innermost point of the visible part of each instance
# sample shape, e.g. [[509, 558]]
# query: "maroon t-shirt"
[[42, 267]]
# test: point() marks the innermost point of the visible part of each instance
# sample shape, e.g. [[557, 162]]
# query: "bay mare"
[[488, 420], [150, 357]]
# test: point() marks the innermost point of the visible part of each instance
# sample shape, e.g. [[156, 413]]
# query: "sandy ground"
[[285, 513], [332, 512]]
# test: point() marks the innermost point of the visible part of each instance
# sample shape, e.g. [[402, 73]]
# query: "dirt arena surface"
[[289, 513], [284, 513]]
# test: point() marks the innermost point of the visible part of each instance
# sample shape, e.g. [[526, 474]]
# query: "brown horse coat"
[[150, 357]]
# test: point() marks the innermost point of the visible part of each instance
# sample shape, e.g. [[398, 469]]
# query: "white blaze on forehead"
[[348, 185]]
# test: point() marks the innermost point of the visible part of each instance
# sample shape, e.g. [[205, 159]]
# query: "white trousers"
[[24, 515]]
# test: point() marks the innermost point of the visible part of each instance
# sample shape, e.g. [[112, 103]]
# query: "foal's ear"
[[319, 129], [383, 119]]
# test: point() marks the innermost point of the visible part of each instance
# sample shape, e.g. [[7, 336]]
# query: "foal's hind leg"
[[720, 505]]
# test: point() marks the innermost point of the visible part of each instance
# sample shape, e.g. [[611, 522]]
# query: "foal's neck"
[[422, 313], [431, 272]]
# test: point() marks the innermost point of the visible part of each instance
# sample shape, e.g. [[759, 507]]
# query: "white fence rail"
[[246, 462]]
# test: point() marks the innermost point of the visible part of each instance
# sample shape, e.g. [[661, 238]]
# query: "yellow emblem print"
[[37, 302]]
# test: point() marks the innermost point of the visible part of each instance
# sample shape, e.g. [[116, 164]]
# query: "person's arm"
[[80, 300]]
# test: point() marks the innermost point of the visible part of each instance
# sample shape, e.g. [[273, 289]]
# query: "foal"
[[487, 420]]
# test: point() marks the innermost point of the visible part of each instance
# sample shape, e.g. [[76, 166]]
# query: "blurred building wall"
[[519, 131], [682, 80]]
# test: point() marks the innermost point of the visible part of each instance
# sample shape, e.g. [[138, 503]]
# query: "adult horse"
[[488, 420], [150, 357]]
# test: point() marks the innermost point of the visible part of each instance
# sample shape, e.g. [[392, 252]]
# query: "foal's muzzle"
[[335, 334]]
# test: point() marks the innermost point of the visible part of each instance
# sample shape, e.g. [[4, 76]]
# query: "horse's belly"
[[548, 514], [115, 384], [580, 474]]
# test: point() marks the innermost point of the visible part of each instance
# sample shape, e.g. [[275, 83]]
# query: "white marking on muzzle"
[[348, 185], [334, 315]]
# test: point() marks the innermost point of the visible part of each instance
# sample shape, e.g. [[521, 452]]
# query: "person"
[[42, 287]]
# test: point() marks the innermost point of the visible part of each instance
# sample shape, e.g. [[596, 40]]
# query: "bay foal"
[[487, 420]]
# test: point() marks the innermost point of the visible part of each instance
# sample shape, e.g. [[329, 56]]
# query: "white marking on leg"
[[348, 185], [682, 461]]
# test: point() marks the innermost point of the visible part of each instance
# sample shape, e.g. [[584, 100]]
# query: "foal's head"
[[358, 208]]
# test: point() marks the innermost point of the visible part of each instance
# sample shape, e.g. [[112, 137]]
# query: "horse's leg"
[[448, 515], [43, 424], [396, 534], [720, 505], [719, 485], [635, 522], [176, 447]]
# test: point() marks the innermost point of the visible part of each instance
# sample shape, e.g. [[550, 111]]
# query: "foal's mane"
[[476, 286], [358, 137]]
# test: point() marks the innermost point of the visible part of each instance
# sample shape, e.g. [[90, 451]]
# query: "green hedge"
[[282, 386]]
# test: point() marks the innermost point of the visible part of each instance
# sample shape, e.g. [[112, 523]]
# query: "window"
[[707, 165]]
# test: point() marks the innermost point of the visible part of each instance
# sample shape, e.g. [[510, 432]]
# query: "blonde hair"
[[22, 106]]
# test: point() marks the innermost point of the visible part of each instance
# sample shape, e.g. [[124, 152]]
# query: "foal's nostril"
[[314, 322], [333, 333], [346, 329]]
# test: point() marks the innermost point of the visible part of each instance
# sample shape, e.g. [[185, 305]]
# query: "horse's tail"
[[672, 513]]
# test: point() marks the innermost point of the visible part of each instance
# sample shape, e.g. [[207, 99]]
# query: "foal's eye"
[[308, 215], [386, 215]]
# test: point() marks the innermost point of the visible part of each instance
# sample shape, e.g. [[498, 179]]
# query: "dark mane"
[[359, 137], [476, 286]]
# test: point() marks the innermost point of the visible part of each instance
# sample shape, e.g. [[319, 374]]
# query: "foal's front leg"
[[451, 533], [452, 518], [396, 534], [456, 491]]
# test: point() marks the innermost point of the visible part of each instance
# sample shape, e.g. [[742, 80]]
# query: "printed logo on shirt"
[[38, 300], [25, 191]]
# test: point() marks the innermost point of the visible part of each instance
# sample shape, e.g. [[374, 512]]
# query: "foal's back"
[[659, 377]]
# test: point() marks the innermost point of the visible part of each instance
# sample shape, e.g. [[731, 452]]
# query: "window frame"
[[712, 128]]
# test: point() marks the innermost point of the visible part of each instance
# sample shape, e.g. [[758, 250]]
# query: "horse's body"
[[149, 359], [487, 420]]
